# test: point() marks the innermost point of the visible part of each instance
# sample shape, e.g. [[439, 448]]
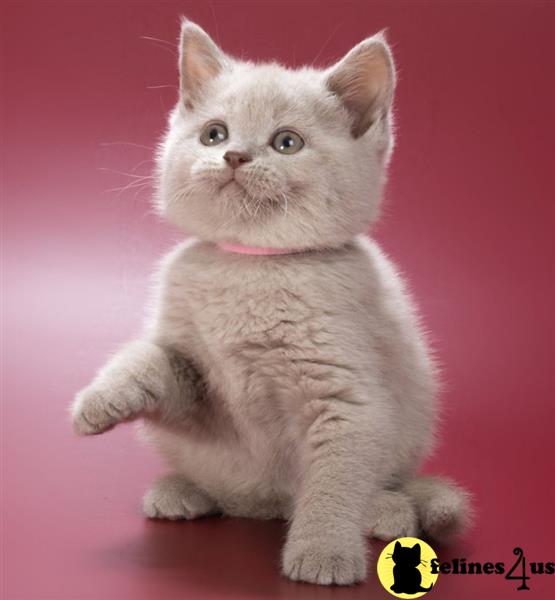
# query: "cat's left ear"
[[364, 81], [200, 60]]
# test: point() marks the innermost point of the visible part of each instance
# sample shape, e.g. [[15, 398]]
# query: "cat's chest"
[[257, 332], [242, 312]]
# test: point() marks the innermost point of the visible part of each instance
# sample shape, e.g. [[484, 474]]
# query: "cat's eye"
[[287, 142], [213, 134]]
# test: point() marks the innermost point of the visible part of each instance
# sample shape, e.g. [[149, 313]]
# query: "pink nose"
[[236, 159]]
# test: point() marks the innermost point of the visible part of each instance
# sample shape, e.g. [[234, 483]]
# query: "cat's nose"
[[236, 159]]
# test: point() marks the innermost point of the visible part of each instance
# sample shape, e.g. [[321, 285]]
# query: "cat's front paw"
[[98, 408], [325, 561]]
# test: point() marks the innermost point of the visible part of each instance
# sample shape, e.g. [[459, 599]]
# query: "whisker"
[[147, 160], [328, 40], [134, 175], [133, 185], [125, 144], [150, 38], [171, 48], [211, 4], [285, 203], [159, 87]]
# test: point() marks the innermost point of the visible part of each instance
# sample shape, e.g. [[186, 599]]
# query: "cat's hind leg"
[[175, 497], [392, 514], [443, 508]]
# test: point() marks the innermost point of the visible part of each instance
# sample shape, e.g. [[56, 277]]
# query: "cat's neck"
[[257, 250]]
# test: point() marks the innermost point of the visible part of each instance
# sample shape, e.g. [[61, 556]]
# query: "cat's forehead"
[[269, 96]]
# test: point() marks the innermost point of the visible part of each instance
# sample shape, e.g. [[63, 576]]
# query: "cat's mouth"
[[242, 186], [231, 183]]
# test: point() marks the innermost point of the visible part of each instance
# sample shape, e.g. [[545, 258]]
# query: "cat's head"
[[406, 555], [259, 154]]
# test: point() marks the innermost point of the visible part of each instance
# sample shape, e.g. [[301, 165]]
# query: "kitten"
[[284, 374]]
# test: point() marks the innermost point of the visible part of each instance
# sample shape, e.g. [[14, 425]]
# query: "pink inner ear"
[[201, 61], [363, 81]]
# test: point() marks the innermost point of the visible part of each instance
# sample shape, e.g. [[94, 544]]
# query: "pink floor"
[[469, 217]]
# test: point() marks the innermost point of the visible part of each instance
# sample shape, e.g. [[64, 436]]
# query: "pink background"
[[469, 218]]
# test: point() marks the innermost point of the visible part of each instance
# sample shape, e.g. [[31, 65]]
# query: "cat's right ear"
[[200, 60]]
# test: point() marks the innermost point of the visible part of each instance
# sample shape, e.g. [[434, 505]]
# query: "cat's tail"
[[444, 508]]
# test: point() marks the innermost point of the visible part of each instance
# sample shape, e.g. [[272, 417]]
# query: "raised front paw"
[[132, 383], [100, 407], [325, 561]]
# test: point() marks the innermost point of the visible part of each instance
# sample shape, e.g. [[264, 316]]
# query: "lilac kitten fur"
[[294, 386]]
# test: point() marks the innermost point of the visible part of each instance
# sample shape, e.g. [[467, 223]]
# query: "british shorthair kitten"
[[284, 373]]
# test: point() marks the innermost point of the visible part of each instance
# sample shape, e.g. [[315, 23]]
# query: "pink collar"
[[256, 250]]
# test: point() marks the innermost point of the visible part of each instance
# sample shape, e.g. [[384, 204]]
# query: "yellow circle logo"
[[404, 568]]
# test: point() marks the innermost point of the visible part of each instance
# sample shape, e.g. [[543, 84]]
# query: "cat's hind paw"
[[444, 508], [173, 497], [393, 515]]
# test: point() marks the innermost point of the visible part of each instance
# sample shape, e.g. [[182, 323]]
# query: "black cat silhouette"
[[407, 578]]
